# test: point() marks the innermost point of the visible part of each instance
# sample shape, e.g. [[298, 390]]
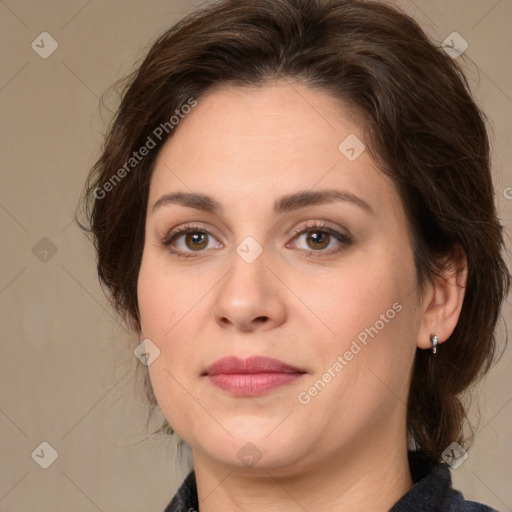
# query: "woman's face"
[[306, 260]]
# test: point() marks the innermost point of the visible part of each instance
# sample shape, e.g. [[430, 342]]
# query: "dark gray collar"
[[432, 491]]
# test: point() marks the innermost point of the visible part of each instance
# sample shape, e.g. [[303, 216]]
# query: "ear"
[[443, 300]]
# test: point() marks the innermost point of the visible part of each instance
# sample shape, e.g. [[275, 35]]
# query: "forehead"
[[267, 141]]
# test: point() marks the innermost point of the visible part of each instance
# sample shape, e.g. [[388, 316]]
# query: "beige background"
[[67, 369]]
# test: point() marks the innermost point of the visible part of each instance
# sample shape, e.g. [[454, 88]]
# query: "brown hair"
[[422, 128]]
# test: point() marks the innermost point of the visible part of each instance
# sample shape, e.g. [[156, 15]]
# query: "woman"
[[294, 209]]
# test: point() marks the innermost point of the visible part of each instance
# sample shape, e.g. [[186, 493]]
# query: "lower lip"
[[251, 384]]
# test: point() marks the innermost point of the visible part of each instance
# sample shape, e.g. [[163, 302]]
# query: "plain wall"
[[67, 368]]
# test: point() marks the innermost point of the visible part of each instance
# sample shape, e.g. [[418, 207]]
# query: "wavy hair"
[[421, 125]]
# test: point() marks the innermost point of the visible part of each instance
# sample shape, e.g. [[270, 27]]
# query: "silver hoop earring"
[[434, 340]]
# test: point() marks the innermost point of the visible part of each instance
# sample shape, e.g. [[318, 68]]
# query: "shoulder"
[[185, 499], [455, 502], [432, 490]]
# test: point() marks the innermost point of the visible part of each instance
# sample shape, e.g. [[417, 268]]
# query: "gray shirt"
[[432, 491]]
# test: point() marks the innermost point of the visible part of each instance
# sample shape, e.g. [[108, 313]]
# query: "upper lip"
[[254, 364]]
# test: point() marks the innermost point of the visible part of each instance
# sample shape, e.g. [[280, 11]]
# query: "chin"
[[252, 448]]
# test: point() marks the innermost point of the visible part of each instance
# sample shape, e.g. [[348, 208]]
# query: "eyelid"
[[319, 225], [344, 238], [184, 229]]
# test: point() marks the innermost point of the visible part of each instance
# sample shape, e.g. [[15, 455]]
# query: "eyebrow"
[[284, 204]]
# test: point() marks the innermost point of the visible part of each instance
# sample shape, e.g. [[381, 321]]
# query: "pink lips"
[[252, 376]]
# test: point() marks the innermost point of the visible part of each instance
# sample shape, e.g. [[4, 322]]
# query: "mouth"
[[250, 377]]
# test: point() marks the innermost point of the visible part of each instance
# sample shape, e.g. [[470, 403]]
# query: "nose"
[[250, 297]]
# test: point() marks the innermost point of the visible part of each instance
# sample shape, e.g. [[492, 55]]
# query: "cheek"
[[352, 298], [369, 313], [164, 302], [172, 308], [374, 317], [163, 297]]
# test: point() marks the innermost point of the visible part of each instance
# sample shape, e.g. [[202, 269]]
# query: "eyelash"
[[312, 227]]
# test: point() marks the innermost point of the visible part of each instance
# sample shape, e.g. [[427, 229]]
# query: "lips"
[[250, 377], [255, 364]]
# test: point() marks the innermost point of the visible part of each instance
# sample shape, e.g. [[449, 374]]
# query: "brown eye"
[[196, 241], [318, 239], [187, 240]]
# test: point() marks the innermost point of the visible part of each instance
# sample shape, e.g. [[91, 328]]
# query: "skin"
[[346, 449]]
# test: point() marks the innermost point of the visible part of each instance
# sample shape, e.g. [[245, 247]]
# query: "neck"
[[370, 475]]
